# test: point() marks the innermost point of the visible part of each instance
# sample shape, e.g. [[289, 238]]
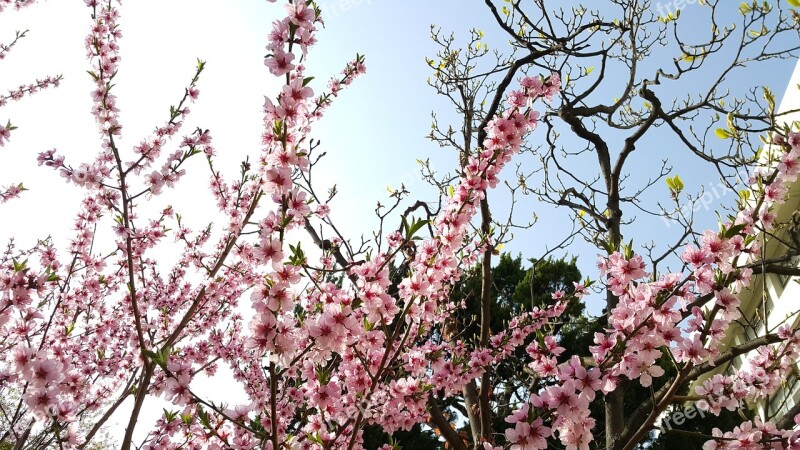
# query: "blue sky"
[[381, 123]]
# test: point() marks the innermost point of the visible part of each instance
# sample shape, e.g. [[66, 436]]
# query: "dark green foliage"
[[415, 439], [516, 289]]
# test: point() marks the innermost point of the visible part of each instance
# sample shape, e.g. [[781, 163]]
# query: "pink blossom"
[[280, 63]]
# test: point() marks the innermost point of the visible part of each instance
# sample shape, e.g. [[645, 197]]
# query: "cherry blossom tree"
[[332, 342], [622, 62]]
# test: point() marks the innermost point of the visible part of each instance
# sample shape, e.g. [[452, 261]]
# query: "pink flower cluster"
[[28, 89], [761, 375], [689, 315], [756, 435], [12, 191], [17, 4], [9, 192], [332, 343]]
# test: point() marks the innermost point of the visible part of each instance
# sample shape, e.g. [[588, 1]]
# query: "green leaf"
[[795, 3], [734, 230], [729, 119], [769, 96], [298, 257], [20, 266], [668, 18], [675, 185], [170, 415], [203, 415], [723, 133], [416, 225], [607, 246], [744, 194], [678, 183], [627, 250]]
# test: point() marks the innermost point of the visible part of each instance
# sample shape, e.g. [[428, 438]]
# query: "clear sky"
[[373, 134]]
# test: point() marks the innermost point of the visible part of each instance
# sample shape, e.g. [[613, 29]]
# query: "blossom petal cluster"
[[331, 343]]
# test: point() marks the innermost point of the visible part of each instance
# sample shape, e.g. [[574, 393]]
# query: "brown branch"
[[441, 423], [637, 421], [486, 318], [787, 421]]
